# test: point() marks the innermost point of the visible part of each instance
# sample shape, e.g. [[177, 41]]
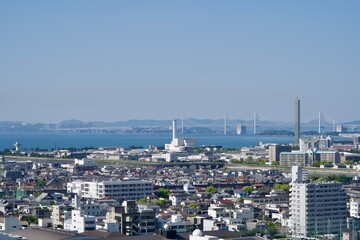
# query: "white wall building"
[[355, 207], [80, 222], [176, 223], [217, 212], [120, 190], [179, 144], [242, 214], [85, 162], [189, 188], [316, 208]]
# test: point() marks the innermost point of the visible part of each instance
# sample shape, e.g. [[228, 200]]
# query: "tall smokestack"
[[297, 121], [174, 129]]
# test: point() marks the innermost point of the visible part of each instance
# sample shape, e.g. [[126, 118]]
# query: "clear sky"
[[119, 60]]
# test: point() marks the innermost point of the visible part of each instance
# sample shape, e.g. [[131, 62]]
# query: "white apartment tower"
[[80, 222], [355, 207], [316, 208]]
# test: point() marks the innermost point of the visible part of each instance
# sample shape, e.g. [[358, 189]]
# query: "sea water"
[[79, 140]]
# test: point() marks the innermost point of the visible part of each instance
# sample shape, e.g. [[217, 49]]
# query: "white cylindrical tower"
[[17, 146], [174, 129]]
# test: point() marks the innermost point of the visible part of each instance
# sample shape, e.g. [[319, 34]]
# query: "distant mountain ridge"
[[190, 122]]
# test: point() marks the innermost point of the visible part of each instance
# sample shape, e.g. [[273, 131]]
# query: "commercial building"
[[316, 209], [119, 190]]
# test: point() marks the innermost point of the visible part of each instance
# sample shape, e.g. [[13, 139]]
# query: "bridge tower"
[[256, 123]]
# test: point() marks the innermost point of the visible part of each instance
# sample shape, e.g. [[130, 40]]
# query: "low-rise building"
[[9, 224], [120, 190], [80, 222], [328, 156]]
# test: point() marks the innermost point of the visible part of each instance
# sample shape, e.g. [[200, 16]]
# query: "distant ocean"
[[64, 140]]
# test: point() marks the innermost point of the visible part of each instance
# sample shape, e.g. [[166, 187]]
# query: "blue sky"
[[119, 60]]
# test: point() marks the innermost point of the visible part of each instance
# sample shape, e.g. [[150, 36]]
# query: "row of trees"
[[250, 161], [341, 178]]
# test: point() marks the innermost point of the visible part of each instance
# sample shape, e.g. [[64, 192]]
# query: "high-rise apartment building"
[[316, 209], [275, 150], [297, 121], [290, 159]]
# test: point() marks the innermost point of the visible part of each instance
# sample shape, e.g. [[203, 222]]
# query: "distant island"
[[277, 133]]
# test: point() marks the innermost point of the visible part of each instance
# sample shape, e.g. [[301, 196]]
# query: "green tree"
[[240, 200], [274, 163], [141, 200], [284, 186], [161, 202], [331, 177], [342, 178], [271, 229], [192, 205], [315, 164], [349, 162], [325, 162], [235, 161], [211, 189], [40, 182], [261, 161], [30, 219], [163, 193], [248, 189], [320, 179]]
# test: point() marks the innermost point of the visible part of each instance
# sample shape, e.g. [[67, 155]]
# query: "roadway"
[[101, 162]]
